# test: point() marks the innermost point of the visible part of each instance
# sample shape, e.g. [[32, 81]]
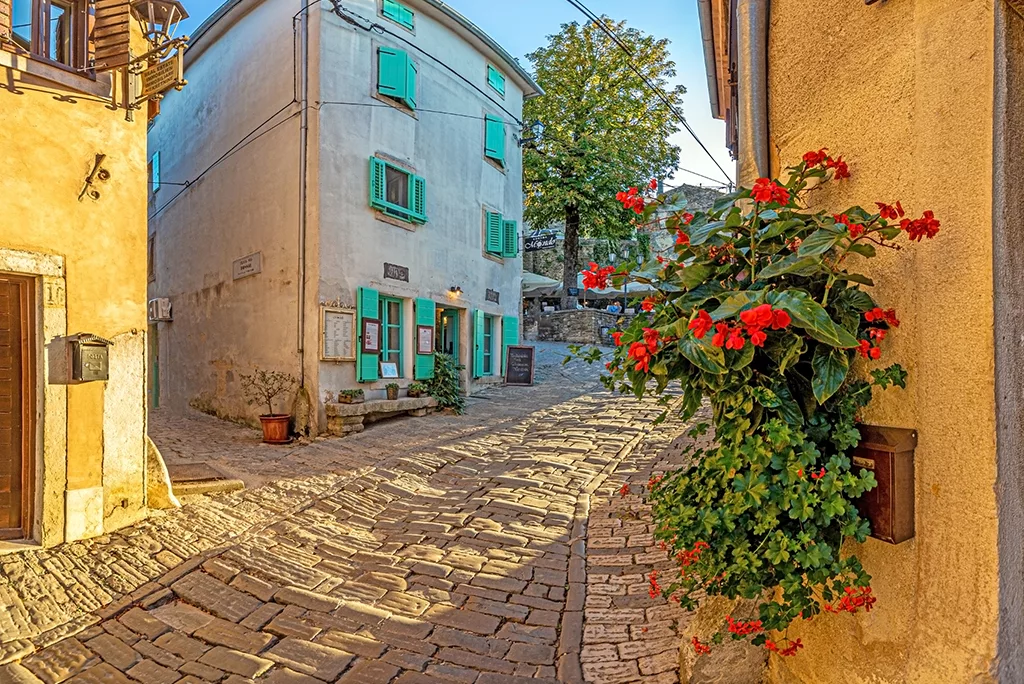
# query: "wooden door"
[[15, 407]]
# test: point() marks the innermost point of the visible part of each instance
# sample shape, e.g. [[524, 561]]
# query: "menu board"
[[338, 334], [519, 365]]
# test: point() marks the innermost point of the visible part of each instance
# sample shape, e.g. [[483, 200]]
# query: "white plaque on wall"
[[247, 266]]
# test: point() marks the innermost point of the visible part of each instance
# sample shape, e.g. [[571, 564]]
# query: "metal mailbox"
[[90, 361], [889, 453]]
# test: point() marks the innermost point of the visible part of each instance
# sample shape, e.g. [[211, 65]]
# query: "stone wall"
[[580, 327]]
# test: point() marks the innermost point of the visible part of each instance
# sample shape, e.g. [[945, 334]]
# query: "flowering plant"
[[758, 312]]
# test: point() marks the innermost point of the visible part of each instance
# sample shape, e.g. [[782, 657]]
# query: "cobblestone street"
[[489, 548]]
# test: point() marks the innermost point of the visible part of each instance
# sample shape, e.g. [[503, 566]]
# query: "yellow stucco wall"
[[904, 90], [49, 138]]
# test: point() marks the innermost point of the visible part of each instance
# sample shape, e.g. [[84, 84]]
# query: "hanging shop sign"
[[535, 243]]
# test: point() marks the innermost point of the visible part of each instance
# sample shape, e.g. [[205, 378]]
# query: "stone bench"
[[348, 419]]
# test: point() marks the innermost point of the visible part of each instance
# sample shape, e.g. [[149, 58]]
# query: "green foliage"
[[263, 386], [759, 314], [446, 385]]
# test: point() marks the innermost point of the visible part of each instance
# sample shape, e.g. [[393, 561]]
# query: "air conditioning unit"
[[160, 309]]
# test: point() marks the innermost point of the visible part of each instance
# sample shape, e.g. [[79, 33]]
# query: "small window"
[[488, 345], [153, 171], [496, 80], [391, 332], [54, 30], [397, 192], [501, 237], [151, 259], [494, 139], [399, 13], [396, 76]]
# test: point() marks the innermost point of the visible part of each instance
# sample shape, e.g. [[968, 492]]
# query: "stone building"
[[923, 99], [72, 279], [365, 166]]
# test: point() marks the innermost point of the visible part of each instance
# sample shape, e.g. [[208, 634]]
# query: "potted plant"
[[760, 312], [392, 390], [261, 388], [417, 389], [351, 396], [446, 385]]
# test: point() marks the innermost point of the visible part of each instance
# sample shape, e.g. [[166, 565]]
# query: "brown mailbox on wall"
[[889, 453]]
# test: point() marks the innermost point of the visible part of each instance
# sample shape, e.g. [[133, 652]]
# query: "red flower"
[[687, 218], [780, 319], [855, 229], [818, 475], [743, 628], [842, 170], [624, 490], [631, 200], [661, 259], [651, 337], [648, 304], [875, 353], [890, 212], [653, 184], [639, 352], [766, 190], [877, 314], [864, 348], [655, 589], [682, 238], [813, 158], [699, 648], [794, 244], [877, 333], [701, 325], [791, 650], [596, 278], [736, 339], [925, 227], [757, 337], [721, 330], [759, 315], [617, 337]]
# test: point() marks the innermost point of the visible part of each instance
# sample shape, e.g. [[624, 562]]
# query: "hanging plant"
[[760, 314]]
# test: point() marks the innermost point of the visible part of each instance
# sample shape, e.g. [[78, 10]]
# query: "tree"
[[600, 129]]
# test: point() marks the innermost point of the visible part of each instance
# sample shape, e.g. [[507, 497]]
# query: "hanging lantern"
[[160, 19]]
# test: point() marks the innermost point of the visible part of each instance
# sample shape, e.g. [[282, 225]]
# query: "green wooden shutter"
[[494, 138], [399, 13], [495, 79], [378, 184], [510, 239], [418, 198], [494, 243], [367, 306], [424, 366], [478, 343], [509, 337], [155, 173], [410, 84], [392, 73]]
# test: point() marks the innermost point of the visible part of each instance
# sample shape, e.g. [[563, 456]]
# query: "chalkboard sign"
[[519, 366]]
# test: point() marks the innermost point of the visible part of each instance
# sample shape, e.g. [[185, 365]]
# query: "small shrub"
[[263, 386], [446, 385]]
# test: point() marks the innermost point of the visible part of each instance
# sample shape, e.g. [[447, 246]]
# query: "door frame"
[[454, 315], [28, 405]]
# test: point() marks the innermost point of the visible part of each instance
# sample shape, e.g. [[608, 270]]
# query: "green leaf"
[[726, 201], [701, 234], [736, 303], [863, 249], [703, 354], [788, 409], [692, 276], [810, 316], [858, 300], [819, 242], [794, 263], [776, 228], [856, 278], [768, 215], [830, 369], [742, 358]]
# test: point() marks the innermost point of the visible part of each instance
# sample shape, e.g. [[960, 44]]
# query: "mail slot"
[[90, 361], [889, 453]]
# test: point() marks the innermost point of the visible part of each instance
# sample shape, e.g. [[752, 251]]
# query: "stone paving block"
[[258, 619], [203, 671], [158, 655], [611, 672], [104, 673], [497, 608], [143, 623], [322, 662], [488, 646], [178, 615], [235, 662], [406, 659], [148, 672], [462, 619], [59, 661], [224, 633], [214, 596], [307, 599], [535, 654], [452, 673], [259, 588], [113, 651], [282, 675], [474, 660], [353, 643]]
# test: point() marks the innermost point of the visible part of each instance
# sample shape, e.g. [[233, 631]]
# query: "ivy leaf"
[[703, 354], [830, 369], [795, 263], [819, 242], [810, 316]]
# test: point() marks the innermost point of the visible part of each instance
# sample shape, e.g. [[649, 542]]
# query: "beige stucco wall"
[[89, 260], [903, 89]]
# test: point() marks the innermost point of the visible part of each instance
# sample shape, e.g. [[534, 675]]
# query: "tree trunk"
[[571, 263]]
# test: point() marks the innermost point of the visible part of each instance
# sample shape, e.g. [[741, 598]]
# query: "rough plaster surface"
[[159, 492], [913, 114], [124, 432], [731, 662]]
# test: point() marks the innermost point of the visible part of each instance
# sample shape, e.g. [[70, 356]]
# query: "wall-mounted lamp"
[[455, 292], [160, 18]]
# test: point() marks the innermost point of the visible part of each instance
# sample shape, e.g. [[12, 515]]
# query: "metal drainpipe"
[[303, 140], [710, 60], [752, 89]]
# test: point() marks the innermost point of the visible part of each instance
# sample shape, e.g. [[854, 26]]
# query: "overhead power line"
[[658, 91]]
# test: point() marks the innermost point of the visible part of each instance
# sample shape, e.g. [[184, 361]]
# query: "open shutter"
[[494, 241], [392, 73], [495, 79], [509, 337], [367, 306], [510, 239], [425, 311], [398, 13], [418, 198], [111, 34], [154, 172], [478, 343], [494, 138], [378, 183], [411, 70]]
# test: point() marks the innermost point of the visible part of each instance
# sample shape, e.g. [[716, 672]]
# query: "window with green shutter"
[[399, 13], [396, 76], [488, 361], [509, 239], [391, 332], [397, 192], [367, 306], [425, 313], [494, 138], [478, 343], [509, 337], [494, 241], [496, 80]]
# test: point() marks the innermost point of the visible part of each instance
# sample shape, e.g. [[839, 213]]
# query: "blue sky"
[[521, 26]]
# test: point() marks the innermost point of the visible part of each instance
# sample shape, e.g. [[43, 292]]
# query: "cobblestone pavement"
[[457, 554]]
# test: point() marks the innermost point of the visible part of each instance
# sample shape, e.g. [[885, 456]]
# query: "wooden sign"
[[519, 366], [337, 334], [163, 76]]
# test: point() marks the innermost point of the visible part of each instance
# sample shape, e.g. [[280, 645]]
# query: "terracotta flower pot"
[[275, 429], [392, 393]]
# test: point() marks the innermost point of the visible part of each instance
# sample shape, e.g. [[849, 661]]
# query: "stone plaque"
[[493, 296], [247, 266], [396, 272]]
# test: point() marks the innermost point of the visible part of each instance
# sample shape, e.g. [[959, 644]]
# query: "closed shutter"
[[378, 184], [425, 312], [509, 337], [392, 73], [510, 239], [111, 34], [495, 80], [154, 173], [478, 343], [494, 242], [418, 198], [410, 84], [368, 306], [494, 138]]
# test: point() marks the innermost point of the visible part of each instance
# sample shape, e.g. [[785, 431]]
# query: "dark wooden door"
[[15, 421]]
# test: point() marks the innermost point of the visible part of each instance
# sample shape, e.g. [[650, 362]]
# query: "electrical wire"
[[658, 91], [419, 110]]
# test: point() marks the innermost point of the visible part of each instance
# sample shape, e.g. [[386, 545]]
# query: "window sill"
[[495, 258], [406, 225], [58, 75], [496, 164], [395, 104]]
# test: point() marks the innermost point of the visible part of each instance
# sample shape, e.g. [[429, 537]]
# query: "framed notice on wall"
[[370, 336], [425, 339], [337, 334]]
